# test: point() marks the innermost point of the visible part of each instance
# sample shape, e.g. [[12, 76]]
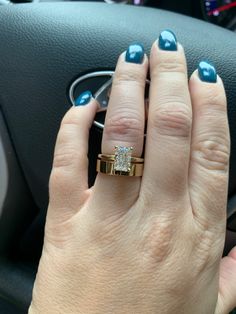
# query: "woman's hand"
[[152, 244]]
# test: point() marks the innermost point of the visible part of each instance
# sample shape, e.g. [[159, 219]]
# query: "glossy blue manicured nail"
[[167, 41], [83, 98], [207, 72], [135, 54]]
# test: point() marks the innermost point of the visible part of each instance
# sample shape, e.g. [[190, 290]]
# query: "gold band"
[[107, 167], [120, 164]]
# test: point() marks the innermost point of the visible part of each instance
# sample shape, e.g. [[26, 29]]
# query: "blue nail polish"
[[83, 98], [207, 72], [167, 41], [135, 54]]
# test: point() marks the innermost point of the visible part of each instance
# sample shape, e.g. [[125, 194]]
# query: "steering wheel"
[[44, 49]]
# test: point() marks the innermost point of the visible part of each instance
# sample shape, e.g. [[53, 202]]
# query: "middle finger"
[[169, 122]]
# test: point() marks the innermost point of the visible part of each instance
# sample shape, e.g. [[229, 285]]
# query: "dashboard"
[[220, 12]]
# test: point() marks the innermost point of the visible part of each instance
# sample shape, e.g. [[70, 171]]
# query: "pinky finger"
[[68, 187]]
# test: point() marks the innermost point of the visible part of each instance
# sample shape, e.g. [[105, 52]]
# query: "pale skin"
[[142, 245]]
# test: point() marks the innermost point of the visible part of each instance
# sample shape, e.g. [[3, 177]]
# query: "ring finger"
[[124, 126]]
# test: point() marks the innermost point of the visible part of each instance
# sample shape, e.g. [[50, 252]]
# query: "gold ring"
[[121, 163]]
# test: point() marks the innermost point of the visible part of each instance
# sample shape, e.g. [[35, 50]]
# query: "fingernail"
[[207, 72], [167, 41], [135, 54], [83, 99]]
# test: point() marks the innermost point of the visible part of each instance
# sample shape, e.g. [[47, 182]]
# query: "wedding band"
[[121, 163]]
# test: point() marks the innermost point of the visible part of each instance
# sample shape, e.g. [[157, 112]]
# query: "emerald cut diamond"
[[122, 158]]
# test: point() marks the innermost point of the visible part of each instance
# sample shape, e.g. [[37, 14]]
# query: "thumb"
[[227, 289]]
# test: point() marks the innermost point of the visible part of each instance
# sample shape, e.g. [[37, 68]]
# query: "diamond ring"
[[121, 163]]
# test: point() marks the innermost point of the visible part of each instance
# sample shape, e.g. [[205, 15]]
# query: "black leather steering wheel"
[[43, 49]]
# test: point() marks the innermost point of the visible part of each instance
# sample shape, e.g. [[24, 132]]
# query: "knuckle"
[[212, 154], [122, 125], [134, 78], [174, 64], [218, 99], [66, 158], [157, 240], [214, 100], [172, 120]]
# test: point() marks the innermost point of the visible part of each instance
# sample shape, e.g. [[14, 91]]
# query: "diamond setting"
[[122, 160]]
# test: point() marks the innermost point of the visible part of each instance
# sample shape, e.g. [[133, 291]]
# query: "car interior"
[[50, 51]]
